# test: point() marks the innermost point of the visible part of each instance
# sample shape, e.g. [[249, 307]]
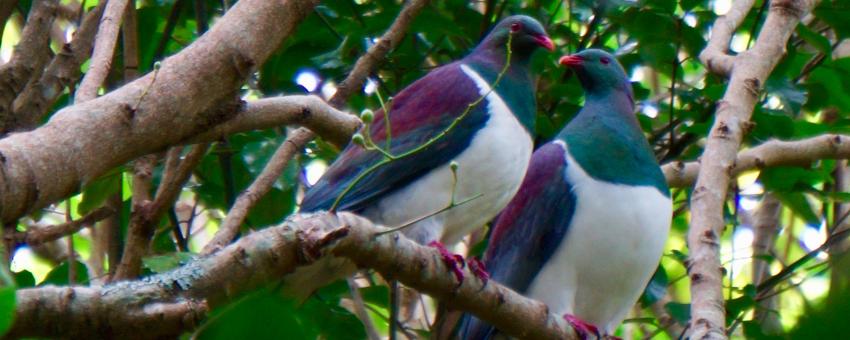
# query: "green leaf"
[[835, 14], [267, 314], [800, 205], [59, 275], [261, 315], [164, 263], [7, 308], [656, 289], [24, 279], [681, 312], [820, 42], [96, 192]]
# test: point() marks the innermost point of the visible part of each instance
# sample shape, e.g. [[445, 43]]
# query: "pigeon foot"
[[479, 269], [583, 328], [454, 262]]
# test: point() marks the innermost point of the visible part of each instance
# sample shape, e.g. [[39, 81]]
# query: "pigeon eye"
[[515, 27], [604, 60]]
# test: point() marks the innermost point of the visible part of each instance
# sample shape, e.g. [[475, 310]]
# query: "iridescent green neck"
[[515, 86], [606, 140]]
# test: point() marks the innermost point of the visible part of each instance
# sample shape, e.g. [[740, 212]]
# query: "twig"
[[769, 154], [201, 16], [748, 72], [766, 227], [104, 46], [360, 309], [170, 24], [259, 187], [715, 56], [362, 68], [36, 235], [129, 32], [145, 215], [367, 63]]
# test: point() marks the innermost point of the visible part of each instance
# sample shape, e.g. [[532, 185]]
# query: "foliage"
[[658, 42]]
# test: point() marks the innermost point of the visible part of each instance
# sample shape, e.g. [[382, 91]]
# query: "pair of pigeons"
[[583, 219]]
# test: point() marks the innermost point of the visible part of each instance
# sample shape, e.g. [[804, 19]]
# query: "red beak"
[[545, 42], [571, 60]]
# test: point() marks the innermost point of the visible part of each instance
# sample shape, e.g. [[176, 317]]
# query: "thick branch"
[[773, 153], [262, 258], [364, 66], [104, 48], [716, 56], [749, 73], [191, 92], [308, 111]]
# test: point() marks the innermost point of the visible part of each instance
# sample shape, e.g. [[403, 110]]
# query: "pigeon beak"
[[571, 60], [544, 41]]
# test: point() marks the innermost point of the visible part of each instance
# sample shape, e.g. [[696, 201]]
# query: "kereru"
[[491, 145], [587, 228]]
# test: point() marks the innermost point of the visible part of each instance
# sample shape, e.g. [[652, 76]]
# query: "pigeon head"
[[527, 35], [598, 71]]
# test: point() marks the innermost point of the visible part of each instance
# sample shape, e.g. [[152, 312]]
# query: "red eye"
[[604, 60], [515, 27]]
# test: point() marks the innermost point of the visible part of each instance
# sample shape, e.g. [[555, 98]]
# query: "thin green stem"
[[418, 219], [386, 110]]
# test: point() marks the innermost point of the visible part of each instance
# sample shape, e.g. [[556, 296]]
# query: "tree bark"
[[191, 92]]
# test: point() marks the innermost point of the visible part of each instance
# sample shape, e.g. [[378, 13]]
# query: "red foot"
[[479, 269], [453, 261], [582, 328]]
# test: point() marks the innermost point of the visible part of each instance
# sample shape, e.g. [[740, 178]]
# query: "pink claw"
[[455, 262], [479, 269], [582, 328]]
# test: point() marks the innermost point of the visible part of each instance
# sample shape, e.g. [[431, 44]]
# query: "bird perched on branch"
[[460, 134], [586, 230]]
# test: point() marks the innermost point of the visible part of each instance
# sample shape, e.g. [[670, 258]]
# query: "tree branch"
[[716, 56], [191, 92], [308, 111], [34, 102], [264, 257], [104, 48], [769, 154], [766, 228], [146, 214], [28, 60], [365, 65], [36, 235], [749, 73]]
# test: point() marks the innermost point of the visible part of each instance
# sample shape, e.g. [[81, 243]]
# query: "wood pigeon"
[[587, 228], [490, 146]]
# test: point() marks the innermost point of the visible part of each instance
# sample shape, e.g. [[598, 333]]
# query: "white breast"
[[612, 248], [493, 166]]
